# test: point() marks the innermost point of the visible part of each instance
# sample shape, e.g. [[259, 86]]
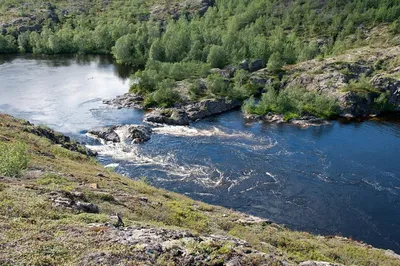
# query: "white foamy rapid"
[[194, 132], [204, 174]]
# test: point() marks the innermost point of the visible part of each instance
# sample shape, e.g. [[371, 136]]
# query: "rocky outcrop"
[[304, 121], [107, 134], [120, 133], [173, 116], [211, 107], [188, 8], [389, 83], [319, 263], [191, 112], [227, 72], [180, 247], [128, 100], [332, 77], [58, 138], [73, 201]]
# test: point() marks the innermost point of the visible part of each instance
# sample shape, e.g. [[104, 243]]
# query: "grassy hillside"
[[41, 184]]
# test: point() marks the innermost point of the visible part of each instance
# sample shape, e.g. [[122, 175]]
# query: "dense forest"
[[171, 41]]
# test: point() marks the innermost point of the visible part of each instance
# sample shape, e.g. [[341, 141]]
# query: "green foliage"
[[48, 179], [230, 32], [275, 62], [217, 85], [395, 27], [217, 57], [196, 90], [360, 86], [183, 215], [292, 103], [382, 102], [7, 44], [14, 158], [164, 96]]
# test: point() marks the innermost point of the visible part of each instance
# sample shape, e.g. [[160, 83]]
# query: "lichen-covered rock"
[[227, 72], [210, 107], [174, 116], [148, 245], [127, 100], [69, 200], [319, 263]]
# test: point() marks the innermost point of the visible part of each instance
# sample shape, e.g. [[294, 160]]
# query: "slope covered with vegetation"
[[175, 40], [58, 207]]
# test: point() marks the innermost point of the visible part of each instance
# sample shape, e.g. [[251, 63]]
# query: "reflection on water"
[[342, 178], [61, 91]]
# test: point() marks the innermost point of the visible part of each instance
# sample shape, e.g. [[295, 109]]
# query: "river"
[[342, 178]]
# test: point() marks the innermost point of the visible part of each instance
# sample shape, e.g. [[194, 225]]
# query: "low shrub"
[[361, 86], [292, 103], [164, 96], [14, 158]]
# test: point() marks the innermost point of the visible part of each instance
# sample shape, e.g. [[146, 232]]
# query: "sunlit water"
[[339, 179]]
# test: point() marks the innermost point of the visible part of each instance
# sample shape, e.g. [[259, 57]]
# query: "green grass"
[[64, 236]]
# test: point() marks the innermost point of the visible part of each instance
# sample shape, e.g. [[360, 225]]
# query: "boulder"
[[86, 207], [107, 134], [210, 107], [119, 133], [138, 133], [174, 116]]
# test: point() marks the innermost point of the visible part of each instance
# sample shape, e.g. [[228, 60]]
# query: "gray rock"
[[319, 263], [127, 100], [67, 200], [178, 247], [107, 134], [119, 133], [58, 138], [274, 118], [210, 107], [174, 116], [227, 72], [86, 207], [390, 85]]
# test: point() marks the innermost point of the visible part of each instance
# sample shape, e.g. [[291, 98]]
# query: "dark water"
[[339, 179]]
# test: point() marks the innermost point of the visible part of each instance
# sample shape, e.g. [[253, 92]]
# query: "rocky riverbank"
[[65, 204], [363, 83]]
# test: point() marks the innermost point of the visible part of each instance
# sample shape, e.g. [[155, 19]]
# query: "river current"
[[341, 178]]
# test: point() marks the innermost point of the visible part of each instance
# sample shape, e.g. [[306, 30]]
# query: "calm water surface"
[[337, 179]]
